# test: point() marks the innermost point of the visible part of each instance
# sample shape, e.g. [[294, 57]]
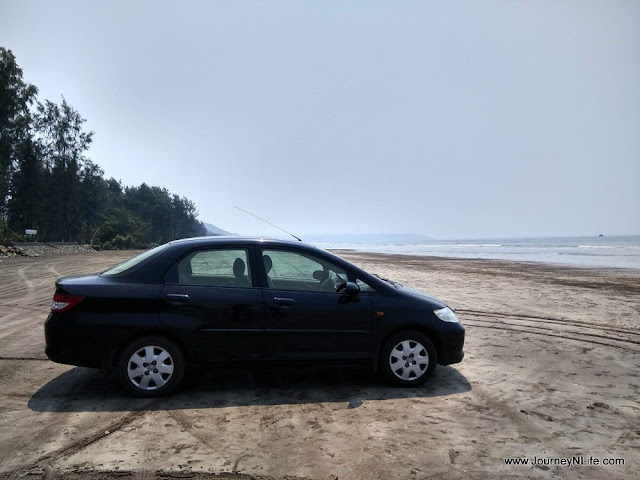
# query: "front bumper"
[[451, 343]]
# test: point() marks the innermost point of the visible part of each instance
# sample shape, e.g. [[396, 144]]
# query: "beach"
[[550, 372], [616, 251], [594, 296]]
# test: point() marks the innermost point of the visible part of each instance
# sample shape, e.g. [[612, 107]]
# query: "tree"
[[47, 182], [121, 223], [185, 223], [94, 194], [27, 204], [60, 129], [16, 96]]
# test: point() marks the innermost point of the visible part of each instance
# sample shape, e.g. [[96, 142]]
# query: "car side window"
[[364, 287], [216, 268], [288, 270]]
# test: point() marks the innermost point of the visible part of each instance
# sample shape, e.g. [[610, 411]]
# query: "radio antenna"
[[266, 221]]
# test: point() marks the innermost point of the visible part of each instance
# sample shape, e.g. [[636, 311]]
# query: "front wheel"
[[150, 367], [408, 358]]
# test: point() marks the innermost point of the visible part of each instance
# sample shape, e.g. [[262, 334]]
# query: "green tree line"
[[49, 184]]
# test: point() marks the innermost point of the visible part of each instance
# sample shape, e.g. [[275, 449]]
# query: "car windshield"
[[132, 262]]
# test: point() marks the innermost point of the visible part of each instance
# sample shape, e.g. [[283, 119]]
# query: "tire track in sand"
[[575, 331], [31, 289], [45, 461]]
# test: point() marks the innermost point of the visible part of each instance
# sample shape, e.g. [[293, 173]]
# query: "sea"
[[598, 251]]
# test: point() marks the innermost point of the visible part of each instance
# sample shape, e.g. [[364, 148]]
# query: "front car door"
[[306, 318], [212, 301]]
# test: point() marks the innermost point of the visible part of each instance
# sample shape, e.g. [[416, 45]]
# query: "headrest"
[[238, 267], [321, 274], [267, 263]]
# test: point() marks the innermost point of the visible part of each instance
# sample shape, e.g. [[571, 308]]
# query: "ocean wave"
[[481, 245], [457, 245], [612, 247]]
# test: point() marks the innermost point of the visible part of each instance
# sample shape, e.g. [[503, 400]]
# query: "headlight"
[[446, 315]]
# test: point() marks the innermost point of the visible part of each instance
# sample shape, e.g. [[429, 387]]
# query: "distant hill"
[[213, 230], [368, 238]]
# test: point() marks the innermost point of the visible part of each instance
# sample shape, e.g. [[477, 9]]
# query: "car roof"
[[236, 240]]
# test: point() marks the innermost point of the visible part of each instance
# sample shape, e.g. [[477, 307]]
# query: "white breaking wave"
[[612, 247], [618, 252]]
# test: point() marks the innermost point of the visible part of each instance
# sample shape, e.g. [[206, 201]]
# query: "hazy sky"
[[452, 119]]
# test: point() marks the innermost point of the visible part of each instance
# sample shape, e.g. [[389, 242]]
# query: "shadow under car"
[[87, 390]]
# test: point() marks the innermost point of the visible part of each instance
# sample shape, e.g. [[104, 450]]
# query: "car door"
[[212, 301], [306, 319]]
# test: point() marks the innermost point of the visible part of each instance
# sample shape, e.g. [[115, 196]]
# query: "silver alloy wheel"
[[409, 360], [150, 367]]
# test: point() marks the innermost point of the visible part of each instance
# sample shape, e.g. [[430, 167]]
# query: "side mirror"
[[351, 288]]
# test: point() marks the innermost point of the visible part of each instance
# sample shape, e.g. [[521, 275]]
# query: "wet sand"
[[552, 356]]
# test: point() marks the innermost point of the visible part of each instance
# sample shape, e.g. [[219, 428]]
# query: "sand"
[[551, 370]]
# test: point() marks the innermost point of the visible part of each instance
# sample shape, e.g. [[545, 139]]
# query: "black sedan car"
[[231, 300]]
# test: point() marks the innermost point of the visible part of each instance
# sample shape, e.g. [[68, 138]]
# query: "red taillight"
[[62, 303]]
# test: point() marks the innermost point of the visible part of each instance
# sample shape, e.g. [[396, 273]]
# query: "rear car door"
[[211, 299], [306, 318]]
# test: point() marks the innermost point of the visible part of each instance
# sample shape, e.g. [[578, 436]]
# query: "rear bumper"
[[64, 346], [69, 357]]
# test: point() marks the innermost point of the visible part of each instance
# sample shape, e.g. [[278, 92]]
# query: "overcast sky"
[[451, 119]]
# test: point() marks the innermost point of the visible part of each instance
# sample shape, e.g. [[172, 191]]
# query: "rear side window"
[[216, 268]]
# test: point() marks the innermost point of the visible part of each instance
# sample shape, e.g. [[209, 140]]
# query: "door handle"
[[177, 297], [284, 301]]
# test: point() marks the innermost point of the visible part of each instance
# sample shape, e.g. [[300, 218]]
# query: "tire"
[[136, 371], [398, 354]]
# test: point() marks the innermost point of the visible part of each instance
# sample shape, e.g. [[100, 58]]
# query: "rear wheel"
[[150, 367], [408, 358]]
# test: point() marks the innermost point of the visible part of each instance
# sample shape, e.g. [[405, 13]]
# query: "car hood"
[[432, 302]]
